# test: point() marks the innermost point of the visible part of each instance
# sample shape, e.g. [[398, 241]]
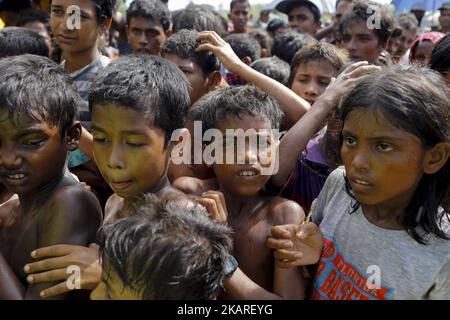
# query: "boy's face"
[[302, 19], [383, 163], [111, 287], [405, 41], [198, 82], [31, 156], [245, 179], [129, 152], [444, 19], [71, 37], [361, 42], [312, 78], [240, 15], [146, 36]]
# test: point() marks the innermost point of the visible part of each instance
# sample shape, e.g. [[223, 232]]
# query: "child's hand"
[[346, 81], [55, 263], [214, 202], [220, 48], [296, 245], [385, 58]]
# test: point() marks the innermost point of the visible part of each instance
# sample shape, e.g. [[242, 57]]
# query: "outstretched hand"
[[220, 48], [55, 264], [296, 245]]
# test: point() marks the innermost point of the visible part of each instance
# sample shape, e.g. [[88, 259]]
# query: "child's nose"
[[116, 160], [360, 161], [9, 159]]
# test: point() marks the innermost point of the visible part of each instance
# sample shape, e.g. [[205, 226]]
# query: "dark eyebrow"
[[94, 127], [29, 131], [380, 137]]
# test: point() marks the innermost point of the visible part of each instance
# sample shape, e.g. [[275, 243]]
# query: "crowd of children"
[[176, 155]]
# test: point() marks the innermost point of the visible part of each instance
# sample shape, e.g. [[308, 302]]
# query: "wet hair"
[[440, 58], [244, 45], [104, 9], [361, 13], [24, 79], [145, 83], [274, 68], [153, 10], [199, 18], [183, 44], [15, 41], [286, 45], [415, 100], [234, 102], [318, 51], [235, 2], [263, 38], [167, 252]]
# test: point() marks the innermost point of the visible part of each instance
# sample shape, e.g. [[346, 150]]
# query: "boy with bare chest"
[[36, 134]]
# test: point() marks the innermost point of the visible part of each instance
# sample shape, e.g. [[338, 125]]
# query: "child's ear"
[[73, 136], [214, 79], [436, 158], [247, 60]]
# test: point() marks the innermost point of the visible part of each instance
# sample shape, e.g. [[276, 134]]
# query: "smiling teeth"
[[362, 182], [17, 176], [247, 174]]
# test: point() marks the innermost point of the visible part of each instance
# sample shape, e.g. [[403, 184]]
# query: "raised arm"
[[296, 139], [293, 106]]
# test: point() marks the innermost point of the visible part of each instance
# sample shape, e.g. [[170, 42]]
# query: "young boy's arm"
[[293, 106], [296, 139], [73, 217]]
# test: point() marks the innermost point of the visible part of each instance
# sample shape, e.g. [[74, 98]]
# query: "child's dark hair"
[[417, 101], [147, 84], [104, 9], [274, 68], [361, 12], [15, 41], [234, 102], [235, 2], [199, 18], [183, 44], [286, 45], [165, 251], [440, 58], [152, 10], [34, 16], [36, 87], [263, 38], [244, 45], [318, 51], [311, 7]]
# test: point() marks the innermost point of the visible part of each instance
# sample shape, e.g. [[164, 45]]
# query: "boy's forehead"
[[357, 27]]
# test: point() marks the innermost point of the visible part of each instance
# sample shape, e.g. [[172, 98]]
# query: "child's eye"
[[135, 144], [384, 147], [34, 143], [349, 141], [57, 11], [100, 140]]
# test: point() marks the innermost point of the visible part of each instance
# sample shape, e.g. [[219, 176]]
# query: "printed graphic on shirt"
[[338, 279]]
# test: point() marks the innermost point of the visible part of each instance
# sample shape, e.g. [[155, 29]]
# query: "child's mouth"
[[121, 185], [252, 172]]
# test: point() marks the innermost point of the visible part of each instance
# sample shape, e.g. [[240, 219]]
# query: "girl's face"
[[73, 38], [423, 52], [361, 42], [383, 164]]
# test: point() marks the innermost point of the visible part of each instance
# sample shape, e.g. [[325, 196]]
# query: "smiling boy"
[[36, 133]]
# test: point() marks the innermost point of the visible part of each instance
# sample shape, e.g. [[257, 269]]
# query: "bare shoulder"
[[71, 215], [179, 197], [112, 207], [189, 185], [284, 211]]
